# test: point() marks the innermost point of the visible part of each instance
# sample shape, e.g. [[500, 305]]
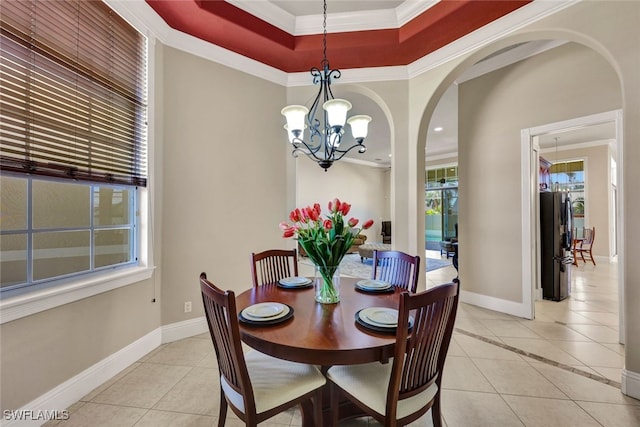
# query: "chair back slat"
[[589, 234], [222, 318], [272, 265], [398, 268], [420, 353]]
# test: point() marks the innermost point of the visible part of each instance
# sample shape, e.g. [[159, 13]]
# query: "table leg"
[[346, 409]]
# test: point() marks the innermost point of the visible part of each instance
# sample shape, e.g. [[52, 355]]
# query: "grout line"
[[542, 359]]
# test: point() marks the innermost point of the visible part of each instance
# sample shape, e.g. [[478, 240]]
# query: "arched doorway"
[[514, 240]]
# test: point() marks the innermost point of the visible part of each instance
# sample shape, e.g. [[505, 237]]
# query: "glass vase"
[[327, 284]]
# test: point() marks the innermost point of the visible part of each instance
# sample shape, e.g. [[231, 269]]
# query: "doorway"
[[530, 139], [441, 206]]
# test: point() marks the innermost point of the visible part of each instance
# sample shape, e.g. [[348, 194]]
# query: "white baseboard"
[[72, 390], [492, 303], [188, 328], [630, 384]]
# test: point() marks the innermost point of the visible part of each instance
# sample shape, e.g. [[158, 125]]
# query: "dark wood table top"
[[321, 334]]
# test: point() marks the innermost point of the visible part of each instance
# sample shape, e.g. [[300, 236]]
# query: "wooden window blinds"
[[73, 101]]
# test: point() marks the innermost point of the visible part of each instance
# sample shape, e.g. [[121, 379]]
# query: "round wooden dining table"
[[320, 334]]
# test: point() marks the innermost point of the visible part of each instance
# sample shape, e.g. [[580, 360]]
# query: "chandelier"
[[326, 126]]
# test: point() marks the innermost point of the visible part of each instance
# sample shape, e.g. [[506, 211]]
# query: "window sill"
[[14, 308]]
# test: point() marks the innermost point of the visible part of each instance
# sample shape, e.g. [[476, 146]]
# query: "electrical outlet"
[[187, 307]]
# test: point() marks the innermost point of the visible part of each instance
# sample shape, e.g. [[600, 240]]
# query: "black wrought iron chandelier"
[[326, 132]]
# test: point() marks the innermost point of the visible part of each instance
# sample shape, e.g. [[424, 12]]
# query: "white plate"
[[380, 316], [373, 284], [264, 310], [295, 281], [266, 319]]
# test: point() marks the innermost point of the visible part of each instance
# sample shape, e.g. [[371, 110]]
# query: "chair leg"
[[317, 407], [222, 414], [591, 256], [436, 415], [334, 409]]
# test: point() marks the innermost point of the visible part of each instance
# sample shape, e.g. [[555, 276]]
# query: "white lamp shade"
[[295, 115], [290, 134], [337, 111], [359, 126]]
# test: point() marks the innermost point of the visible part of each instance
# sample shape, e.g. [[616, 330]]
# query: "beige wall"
[[41, 351], [553, 86], [224, 177], [361, 186]]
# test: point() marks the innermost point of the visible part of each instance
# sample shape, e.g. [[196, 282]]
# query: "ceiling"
[[314, 7], [286, 34]]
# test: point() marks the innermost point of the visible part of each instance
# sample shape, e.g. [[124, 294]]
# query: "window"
[[56, 229], [441, 205], [73, 109], [570, 176]]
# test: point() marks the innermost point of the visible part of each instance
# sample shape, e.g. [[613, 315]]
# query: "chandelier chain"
[[325, 62]]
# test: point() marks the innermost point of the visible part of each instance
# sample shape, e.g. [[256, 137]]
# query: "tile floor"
[[563, 369]]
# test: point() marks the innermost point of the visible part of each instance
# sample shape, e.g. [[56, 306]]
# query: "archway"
[[518, 303]]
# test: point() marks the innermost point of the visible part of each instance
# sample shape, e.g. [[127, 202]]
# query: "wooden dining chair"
[[256, 386], [398, 268], [272, 265], [401, 391], [584, 246]]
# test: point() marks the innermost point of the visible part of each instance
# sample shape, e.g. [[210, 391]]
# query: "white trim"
[[362, 20], [141, 15], [263, 9], [578, 146], [492, 303], [185, 329], [36, 301], [527, 285], [622, 327], [574, 124], [630, 383], [72, 390]]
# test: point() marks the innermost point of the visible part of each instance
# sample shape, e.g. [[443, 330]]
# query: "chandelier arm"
[[343, 152], [310, 154], [299, 143]]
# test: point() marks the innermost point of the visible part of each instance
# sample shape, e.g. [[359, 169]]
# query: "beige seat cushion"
[[275, 381], [369, 382]]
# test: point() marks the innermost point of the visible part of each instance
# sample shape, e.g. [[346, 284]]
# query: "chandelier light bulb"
[[290, 134], [359, 126], [295, 115], [337, 112]]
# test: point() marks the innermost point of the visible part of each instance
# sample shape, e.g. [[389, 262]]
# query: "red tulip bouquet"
[[326, 241]]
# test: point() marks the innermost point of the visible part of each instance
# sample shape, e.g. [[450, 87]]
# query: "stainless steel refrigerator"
[[556, 225]]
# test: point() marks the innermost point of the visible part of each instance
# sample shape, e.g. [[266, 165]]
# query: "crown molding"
[[336, 22], [146, 20], [270, 13], [139, 14], [579, 145]]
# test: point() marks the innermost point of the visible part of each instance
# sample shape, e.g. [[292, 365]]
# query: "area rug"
[[351, 265]]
